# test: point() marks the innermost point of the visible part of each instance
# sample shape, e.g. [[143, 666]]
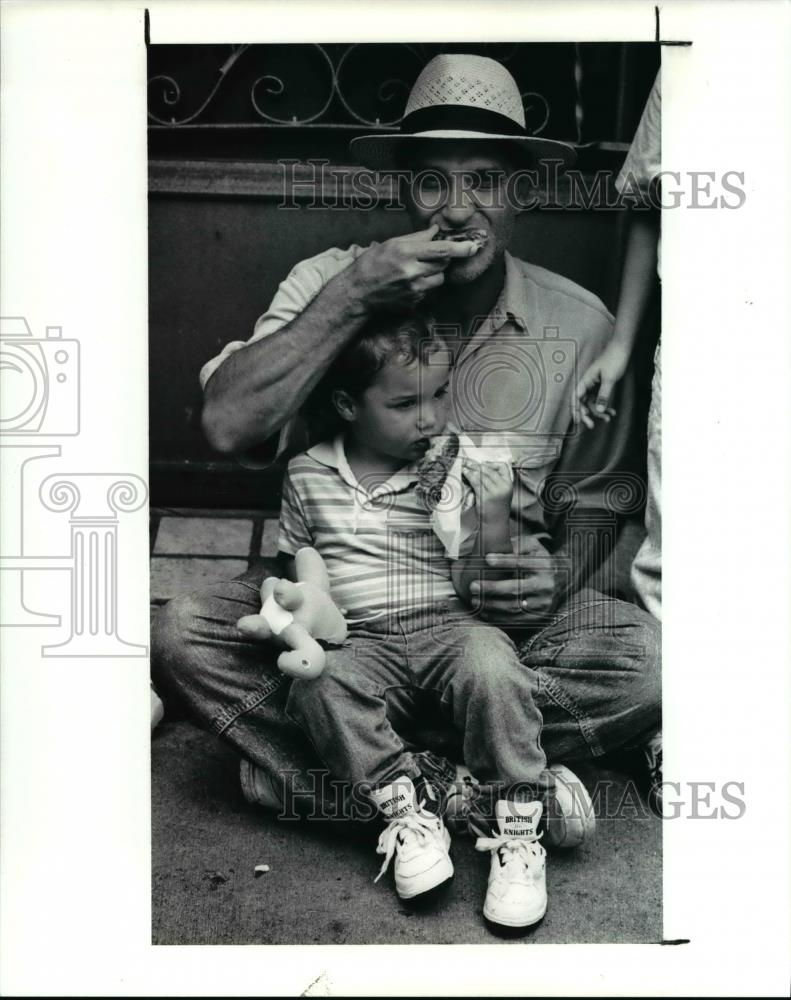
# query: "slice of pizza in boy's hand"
[[434, 467], [446, 488]]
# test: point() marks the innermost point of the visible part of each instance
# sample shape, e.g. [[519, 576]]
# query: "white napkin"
[[455, 518]]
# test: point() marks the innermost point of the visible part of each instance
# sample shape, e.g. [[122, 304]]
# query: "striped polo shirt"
[[381, 552]]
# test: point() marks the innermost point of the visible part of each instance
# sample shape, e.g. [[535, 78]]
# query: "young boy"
[[354, 499]]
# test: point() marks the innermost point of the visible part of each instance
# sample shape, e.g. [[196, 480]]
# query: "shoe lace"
[[460, 798], [522, 850], [415, 824], [466, 806]]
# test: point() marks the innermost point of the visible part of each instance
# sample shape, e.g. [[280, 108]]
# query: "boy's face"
[[406, 406]]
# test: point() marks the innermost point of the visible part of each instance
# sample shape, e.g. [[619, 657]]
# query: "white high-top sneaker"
[[569, 820], [517, 892], [416, 836]]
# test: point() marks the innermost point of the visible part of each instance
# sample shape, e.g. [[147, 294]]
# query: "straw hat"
[[462, 97]]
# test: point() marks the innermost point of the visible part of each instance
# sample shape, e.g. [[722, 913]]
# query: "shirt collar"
[[511, 307], [333, 455], [511, 304]]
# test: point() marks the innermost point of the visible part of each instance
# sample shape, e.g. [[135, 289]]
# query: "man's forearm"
[[256, 389], [581, 553]]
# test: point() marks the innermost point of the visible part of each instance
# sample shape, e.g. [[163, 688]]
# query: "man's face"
[[460, 186], [405, 407]]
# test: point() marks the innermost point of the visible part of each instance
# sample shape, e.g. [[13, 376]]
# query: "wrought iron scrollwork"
[[351, 86], [273, 85], [170, 94], [389, 89]]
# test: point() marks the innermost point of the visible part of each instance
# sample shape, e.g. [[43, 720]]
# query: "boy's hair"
[[403, 336]]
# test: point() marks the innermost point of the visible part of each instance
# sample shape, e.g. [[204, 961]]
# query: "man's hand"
[[528, 594], [402, 270], [602, 375]]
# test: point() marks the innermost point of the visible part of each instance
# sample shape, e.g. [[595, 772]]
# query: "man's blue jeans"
[[596, 662]]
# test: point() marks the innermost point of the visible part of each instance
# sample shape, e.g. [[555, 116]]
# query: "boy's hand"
[[492, 484], [604, 373]]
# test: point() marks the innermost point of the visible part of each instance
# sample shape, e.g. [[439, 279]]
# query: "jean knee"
[[650, 639], [487, 661], [306, 696], [484, 645], [639, 693], [172, 631]]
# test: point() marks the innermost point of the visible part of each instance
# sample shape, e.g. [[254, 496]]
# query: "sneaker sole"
[[504, 922], [441, 872]]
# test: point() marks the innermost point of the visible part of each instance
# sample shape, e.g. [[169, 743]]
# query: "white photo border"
[[75, 756]]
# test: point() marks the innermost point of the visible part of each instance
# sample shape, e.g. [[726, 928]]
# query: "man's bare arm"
[[256, 389]]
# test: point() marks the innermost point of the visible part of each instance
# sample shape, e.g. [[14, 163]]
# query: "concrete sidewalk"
[[319, 890]]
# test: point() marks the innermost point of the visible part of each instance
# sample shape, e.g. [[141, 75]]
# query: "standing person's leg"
[[647, 567], [231, 686]]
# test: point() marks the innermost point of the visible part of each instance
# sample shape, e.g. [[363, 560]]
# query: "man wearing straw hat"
[[520, 334]]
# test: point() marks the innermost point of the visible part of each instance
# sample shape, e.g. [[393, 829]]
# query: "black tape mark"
[[675, 941], [657, 39]]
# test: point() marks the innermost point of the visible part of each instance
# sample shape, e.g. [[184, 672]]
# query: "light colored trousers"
[[647, 566]]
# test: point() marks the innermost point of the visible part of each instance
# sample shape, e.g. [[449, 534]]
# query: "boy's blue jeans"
[[596, 663], [456, 666]]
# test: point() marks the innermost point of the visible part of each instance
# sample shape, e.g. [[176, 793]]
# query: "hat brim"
[[379, 151]]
